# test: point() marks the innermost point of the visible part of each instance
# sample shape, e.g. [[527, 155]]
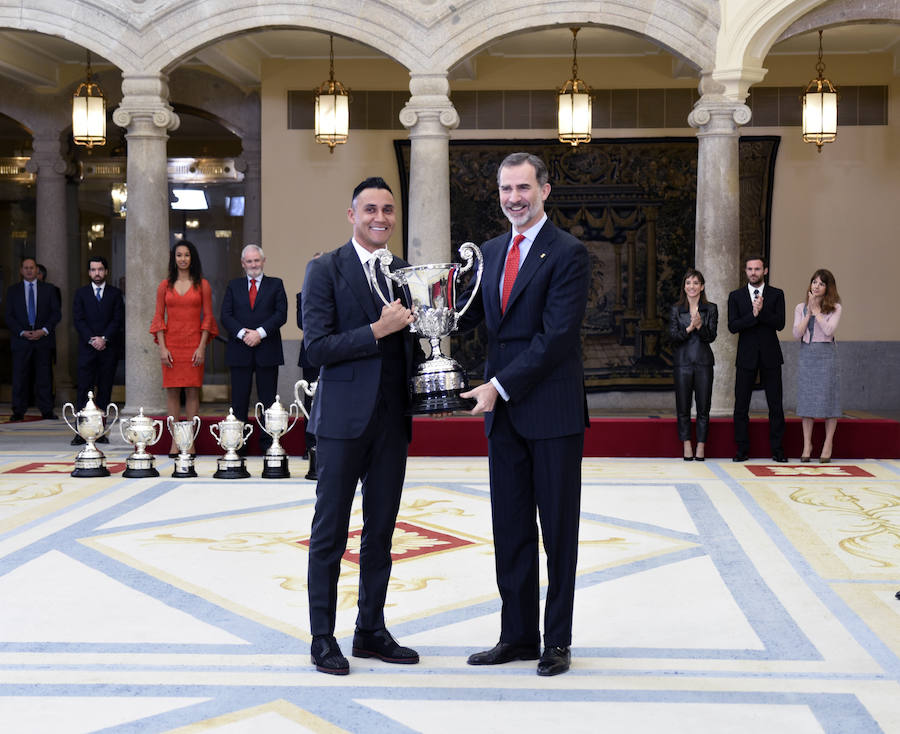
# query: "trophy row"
[[231, 434]]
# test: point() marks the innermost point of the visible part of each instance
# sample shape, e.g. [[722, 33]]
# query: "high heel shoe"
[[824, 459], [804, 459], [688, 458]]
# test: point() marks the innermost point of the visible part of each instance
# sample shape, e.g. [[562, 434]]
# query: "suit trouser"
[[693, 381], [32, 365], [378, 458], [546, 474], [96, 369], [242, 381], [743, 391]]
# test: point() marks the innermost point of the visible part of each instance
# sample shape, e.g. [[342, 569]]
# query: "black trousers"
[[743, 391], [32, 368], [96, 371], [693, 382]]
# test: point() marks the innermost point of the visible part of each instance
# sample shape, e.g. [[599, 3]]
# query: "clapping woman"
[[818, 386], [693, 323]]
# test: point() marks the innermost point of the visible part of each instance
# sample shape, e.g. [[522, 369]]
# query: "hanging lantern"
[[332, 109], [574, 104], [820, 102], [89, 112]]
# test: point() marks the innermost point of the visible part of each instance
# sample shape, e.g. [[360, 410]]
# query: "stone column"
[[51, 249], [717, 244], [430, 116], [647, 345], [147, 116], [250, 165]]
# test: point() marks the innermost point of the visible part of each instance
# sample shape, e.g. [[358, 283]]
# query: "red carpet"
[[856, 438]]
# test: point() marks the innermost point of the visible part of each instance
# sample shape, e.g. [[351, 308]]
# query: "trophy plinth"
[[231, 434], [184, 433], [431, 292], [88, 423], [276, 421], [141, 432]]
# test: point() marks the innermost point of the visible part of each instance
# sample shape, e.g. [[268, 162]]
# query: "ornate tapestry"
[[632, 202]]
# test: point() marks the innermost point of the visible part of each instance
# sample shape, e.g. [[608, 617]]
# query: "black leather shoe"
[[779, 457], [554, 661], [504, 652], [379, 644], [327, 657], [16, 417], [77, 441], [740, 456], [102, 439]]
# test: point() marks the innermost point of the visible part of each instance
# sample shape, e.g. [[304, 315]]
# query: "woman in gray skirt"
[[818, 384]]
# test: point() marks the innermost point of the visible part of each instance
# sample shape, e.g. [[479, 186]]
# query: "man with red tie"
[[532, 301], [253, 312]]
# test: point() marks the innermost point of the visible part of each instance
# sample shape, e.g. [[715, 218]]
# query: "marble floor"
[[711, 597]]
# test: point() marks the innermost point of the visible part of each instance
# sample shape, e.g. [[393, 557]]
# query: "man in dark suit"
[[365, 353], [532, 300], [310, 374], [756, 314], [253, 311], [32, 313], [98, 315]]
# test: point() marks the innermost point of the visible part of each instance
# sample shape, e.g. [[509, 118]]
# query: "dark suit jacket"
[[758, 344], [534, 348], [338, 309], [106, 318], [693, 348], [269, 312], [47, 316]]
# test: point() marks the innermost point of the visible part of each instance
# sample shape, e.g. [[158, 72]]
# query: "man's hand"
[[394, 318], [251, 337], [757, 305], [485, 396], [98, 343], [34, 335]]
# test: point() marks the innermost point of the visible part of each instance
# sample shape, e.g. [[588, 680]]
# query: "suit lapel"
[[351, 270], [537, 255]]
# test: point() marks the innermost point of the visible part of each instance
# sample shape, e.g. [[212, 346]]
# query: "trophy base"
[[90, 471], [139, 467], [135, 473], [184, 473], [446, 401], [275, 467], [230, 469]]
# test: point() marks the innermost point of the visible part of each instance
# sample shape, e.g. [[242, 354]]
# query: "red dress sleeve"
[[209, 320], [159, 318]]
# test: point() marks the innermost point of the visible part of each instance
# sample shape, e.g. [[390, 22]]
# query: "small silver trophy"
[[431, 290], [309, 390], [90, 461], [276, 422], [140, 432], [231, 435], [184, 433]]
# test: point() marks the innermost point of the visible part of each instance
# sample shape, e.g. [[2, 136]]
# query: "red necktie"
[[510, 271], [252, 292]]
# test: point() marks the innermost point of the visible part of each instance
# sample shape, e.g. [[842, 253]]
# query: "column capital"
[[716, 114], [145, 100], [48, 156], [429, 110]]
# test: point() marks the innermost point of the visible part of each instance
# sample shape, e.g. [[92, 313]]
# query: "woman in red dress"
[[182, 326]]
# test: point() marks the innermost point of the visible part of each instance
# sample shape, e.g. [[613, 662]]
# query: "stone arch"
[[234, 109], [842, 13]]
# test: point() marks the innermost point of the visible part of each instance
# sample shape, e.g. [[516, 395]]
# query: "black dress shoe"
[[504, 652], [779, 457], [16, 417], [327, 657], [379, 644], [554, 661], [740, 456], [102, 439], [77, 441]]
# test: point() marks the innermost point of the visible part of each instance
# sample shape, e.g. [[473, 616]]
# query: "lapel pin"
[[543, 255]]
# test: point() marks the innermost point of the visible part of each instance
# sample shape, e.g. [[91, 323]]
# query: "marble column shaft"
[[717, 244], [147, 116], [250, 165]]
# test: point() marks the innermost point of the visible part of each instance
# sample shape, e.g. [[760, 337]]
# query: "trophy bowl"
[[231, 434], [184, 433], [140, 431], [276, 421], [431, 292], [88, 423]]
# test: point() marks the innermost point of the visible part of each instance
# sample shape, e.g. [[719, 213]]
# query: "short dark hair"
[[98, 259], [372, 182], [517, 159], [43, 269], [754, 256]]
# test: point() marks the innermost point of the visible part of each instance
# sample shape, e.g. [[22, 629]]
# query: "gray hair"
[[254, 247], [517, 159]]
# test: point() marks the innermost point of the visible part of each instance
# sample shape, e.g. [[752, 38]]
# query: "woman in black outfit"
[[693, 322]]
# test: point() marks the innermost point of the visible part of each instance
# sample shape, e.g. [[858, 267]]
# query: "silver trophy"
[[431, 290], [140, 432], [231, 434], [90, 461], [184, 433], [309, 391], [276, 421]]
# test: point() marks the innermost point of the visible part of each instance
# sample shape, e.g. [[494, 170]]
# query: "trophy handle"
[[159, 433], [213, 429], [74, 418], [170, 421], [310, 390], [115, 409], [467, 250], [384, 258], [248, 429], [122, 428], [198, 423], [256, 415], [296, 417]]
